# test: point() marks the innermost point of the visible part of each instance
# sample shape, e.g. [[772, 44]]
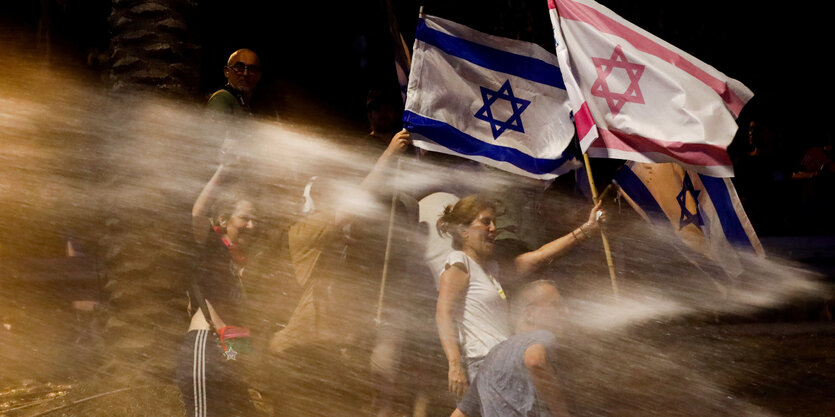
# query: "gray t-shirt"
[[503, 387]]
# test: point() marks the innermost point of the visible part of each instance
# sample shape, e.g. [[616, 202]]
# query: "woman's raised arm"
[[529, 262]]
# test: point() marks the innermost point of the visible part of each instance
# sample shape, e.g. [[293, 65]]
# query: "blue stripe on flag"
[[462, 143], [638, 192], [721, 199], [495, 59]]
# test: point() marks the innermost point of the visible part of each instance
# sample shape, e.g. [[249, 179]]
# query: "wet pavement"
[[49, 352]]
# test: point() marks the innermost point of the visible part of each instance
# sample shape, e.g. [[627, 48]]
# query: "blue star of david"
[[686, 216], [486, 113]]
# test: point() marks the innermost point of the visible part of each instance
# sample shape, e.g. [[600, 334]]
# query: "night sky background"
[[331, 53]]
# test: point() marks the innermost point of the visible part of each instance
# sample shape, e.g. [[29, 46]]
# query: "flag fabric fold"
[[494, 100], [704, 211], [639, 98]]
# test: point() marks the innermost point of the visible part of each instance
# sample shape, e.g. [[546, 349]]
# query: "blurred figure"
[[518, 378], [322, 353], [472, 310], [814, 179], [230, 107], [762, 172], [404, 329], [383, 111], [210, 369], [816, 160]]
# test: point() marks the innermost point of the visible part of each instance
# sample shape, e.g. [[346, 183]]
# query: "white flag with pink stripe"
[[636, 97]]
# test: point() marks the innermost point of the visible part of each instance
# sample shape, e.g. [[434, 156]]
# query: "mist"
[[96, 192]]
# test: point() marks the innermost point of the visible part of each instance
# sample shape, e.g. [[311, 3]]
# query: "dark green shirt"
[[226, 102]]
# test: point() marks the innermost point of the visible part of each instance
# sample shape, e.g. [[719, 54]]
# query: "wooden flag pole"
[[606, 249], [379, 317]]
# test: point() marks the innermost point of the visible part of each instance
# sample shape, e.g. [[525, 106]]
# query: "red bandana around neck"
[[238, 254]]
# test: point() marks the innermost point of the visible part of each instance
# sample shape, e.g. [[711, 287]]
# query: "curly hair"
[[225, 205]]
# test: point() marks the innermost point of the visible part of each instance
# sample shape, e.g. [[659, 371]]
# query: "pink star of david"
[[604, 67]]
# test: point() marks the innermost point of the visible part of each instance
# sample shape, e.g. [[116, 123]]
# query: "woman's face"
[[480, 235], [240, 227]]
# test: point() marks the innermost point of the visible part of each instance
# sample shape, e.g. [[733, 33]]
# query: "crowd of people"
[[342, 343]]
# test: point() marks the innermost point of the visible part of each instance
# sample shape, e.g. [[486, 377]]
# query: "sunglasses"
[[240, 68]]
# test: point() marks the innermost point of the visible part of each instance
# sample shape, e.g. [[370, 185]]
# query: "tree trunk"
[[152, 46], [146, 236]]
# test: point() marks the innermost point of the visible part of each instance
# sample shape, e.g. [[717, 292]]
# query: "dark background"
[[329, 54], [336, 49]]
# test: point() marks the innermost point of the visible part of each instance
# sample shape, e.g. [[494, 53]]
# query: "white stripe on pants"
[[199, 373]]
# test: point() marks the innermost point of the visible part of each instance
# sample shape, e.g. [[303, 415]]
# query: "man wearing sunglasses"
[[242, 71]]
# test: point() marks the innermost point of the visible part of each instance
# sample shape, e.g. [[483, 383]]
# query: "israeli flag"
[[705, 212], [498, 101]]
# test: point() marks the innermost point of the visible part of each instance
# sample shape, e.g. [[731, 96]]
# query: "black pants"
[[211, 385]]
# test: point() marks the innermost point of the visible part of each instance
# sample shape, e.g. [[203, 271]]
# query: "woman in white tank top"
[[472, 312]]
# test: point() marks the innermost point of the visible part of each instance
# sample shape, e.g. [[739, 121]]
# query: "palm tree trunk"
[[153, 47], [152, 51]]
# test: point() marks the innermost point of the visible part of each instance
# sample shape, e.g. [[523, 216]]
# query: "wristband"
[[584, 231]]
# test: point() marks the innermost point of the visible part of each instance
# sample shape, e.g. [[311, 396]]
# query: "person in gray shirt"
[[518, 377]]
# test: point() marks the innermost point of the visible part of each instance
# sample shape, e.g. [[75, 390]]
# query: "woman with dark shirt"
[[213, 352]]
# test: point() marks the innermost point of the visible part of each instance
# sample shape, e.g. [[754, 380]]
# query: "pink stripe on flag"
[[583, 120], [571, 10], [698, 154]]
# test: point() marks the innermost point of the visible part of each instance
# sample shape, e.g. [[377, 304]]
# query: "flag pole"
[[379, 317], [596, 197], [395, 32]]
